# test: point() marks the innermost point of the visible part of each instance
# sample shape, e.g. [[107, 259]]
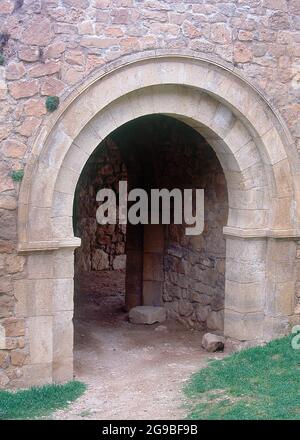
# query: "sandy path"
[[132, 371]]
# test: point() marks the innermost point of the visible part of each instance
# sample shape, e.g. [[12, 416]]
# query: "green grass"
[[38, 402], [257, 383]]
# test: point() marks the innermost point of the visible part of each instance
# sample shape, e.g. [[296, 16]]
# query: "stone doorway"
[[118, 266], [258, 158]]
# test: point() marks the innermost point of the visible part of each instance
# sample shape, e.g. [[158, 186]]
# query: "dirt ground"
[[132, 371]]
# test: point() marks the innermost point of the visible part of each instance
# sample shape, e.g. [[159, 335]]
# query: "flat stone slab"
[[212, 342], [147, 314]]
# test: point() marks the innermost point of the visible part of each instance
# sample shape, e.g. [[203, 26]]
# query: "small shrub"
[[52, 103], [17, 175], [2, 59]]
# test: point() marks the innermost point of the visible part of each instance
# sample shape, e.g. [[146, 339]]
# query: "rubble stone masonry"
[[51, 48]]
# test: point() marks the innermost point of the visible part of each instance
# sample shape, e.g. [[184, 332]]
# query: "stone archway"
[[259, 162]]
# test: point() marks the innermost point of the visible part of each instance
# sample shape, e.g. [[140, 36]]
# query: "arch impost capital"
[[48, 245], [293, 234], [72, 243]]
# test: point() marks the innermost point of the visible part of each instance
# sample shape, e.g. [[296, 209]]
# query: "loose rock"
[[212, 343]]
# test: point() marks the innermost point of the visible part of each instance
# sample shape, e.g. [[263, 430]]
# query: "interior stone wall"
[[194, 266], [100, 261], [102, 246]]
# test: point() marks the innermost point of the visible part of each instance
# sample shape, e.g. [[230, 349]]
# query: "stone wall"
[[195, 265], [52, 47], [102, 246]]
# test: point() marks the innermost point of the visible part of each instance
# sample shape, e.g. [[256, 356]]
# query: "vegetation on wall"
[[17, 175], [52, 103]]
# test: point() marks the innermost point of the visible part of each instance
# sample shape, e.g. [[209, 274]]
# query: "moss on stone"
[[52, 103], [17, 175]]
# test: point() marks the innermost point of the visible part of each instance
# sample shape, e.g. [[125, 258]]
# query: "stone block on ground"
[[211, 342], [161, 329], [147, 314]]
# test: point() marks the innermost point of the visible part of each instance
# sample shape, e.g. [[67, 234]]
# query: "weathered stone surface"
[[2, 337], [14, 327], [29, 126], [212, 343], [8, 202], [35, 107], [38, 32], [242, 53], [297, 309], [6, 305], [147, 314], [100, 260], [85, 28], [75, 57], [4, 359], [29, 54], [76, 3], [7, 6], [5, 284], [6, 182], [202, 312], [44, 69], [215, 320], [15, 263], [23, 89], [54, 50], [97, 42], [15, 71], [52, 87], [8, 226], [4, 380], [17, 358], [13, 148], [72, 76], [220, 33], [41, 339], [119, 262]]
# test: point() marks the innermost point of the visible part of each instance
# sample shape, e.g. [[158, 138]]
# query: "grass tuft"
[[257, 383], [52, 103], [38, 402], [17, 175]]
